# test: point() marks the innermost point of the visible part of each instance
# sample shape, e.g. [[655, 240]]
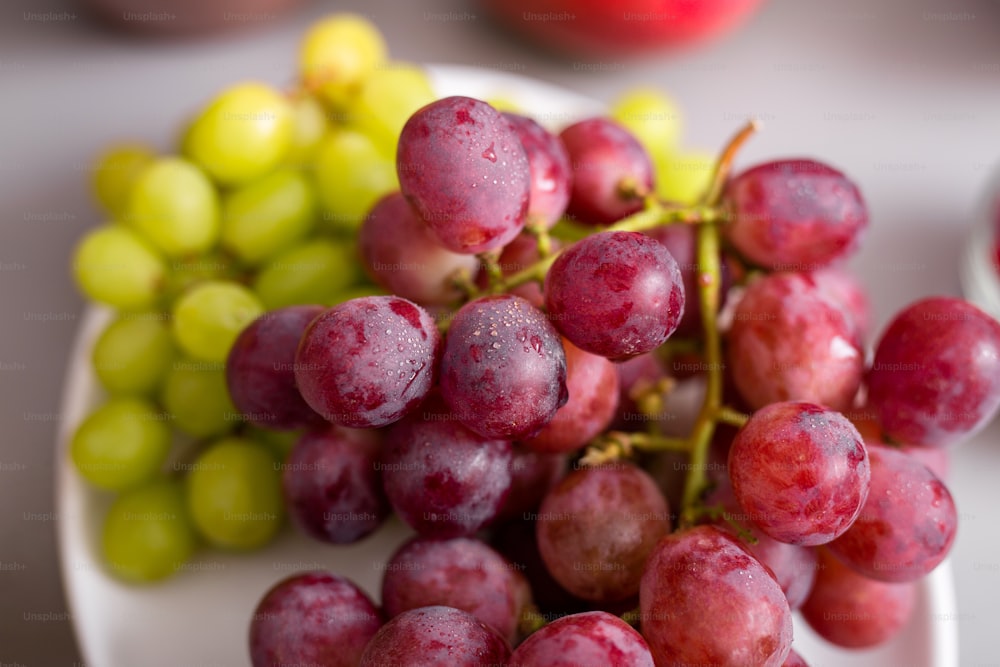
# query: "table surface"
[[903, 95]]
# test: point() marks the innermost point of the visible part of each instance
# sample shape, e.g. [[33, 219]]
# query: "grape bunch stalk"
[[499, 373]]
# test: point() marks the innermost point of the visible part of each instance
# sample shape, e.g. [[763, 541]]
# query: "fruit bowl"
[[201, 616]]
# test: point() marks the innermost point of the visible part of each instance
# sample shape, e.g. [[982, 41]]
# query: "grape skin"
[[800, 471], [587, 639], [705, 600], [503, 370], [616, 294], [465, 171], [532, 474], [435, 636], [551, 174], [312, 618], [368, 361]]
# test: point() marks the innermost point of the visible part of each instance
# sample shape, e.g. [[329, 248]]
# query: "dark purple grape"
[[551, 175], [441, 478], [436, 636], [800, 472], [853, 611], [588, 639], [332, 487], [597, 527], [907, 525], [616, 294], [503, 370], [402, 255], [794, 215], [462, 166], [312, 618], [260, 370], [790, 342], [935, 378], [611, 171], [705, 600], [592, 383], [461, 572], [368, 361]]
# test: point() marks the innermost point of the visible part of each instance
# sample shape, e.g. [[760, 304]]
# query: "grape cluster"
[[482, 336]]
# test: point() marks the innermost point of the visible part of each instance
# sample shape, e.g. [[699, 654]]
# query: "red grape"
[[935, 378], [794, 215], [462, 166], [587, 639], [532, 474], [616, 294], [550, 170], [368, 361], [794, 660]]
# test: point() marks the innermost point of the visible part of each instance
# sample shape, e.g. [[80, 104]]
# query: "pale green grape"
[[338, 53], [267, 216], [311, 126], [242, 134], [684, 178], [175, 206], [351, 175], [387, 100], [148, 534], [652, 117], [116, 171], [234, 494], [133, 353], [114, 265], [196, 398], [314, 272], [121, 444], [208, 317]]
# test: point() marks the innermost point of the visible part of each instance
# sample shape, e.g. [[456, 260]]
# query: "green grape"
[[338, 53], [311, 126], [684, 178], [234, 494], [314, 272], [196, 398], [351, 175], [133, 353], [187, 272], [208, 317], [148, 534], [116, 171], [175, 206], [267, 216], [652, 117], [116, 266], [242, 134], [387, 100], [121, 444]]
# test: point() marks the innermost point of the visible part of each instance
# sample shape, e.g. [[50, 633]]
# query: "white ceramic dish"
[[199, 618]]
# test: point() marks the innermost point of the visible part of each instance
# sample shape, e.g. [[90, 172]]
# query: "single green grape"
[[351, 175], [121, 444], [242, 134], [311, 125], [116, 266], [684, 178], [208, 317], [115, 173], [234, 494], [174, 205], [148, 534], [386, 101], [314, 272], [267, 216], [196, 397], [652, 117], [338, 53], [133, 353]]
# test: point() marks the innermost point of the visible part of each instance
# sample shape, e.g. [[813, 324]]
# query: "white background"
[[903, 95]]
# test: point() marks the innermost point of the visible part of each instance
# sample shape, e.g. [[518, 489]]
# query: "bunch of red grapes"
[[507, 402]]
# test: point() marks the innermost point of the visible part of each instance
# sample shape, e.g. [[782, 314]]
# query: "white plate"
[[199, 618]]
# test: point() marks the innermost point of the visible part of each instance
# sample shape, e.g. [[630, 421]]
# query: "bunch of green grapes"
[[256, 209]]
